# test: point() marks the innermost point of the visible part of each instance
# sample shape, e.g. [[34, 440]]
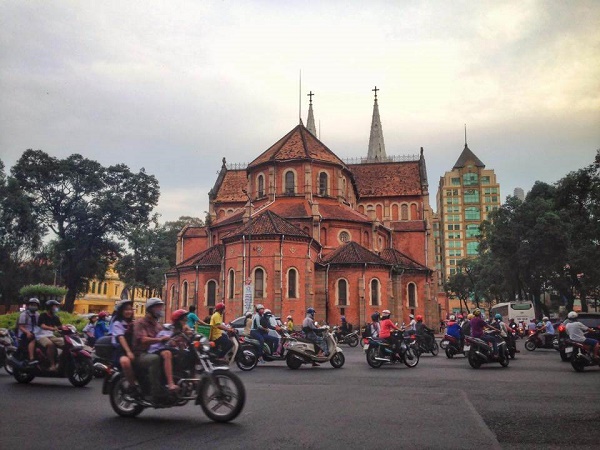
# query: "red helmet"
[[460, 316], [179, 314], [102, 315], [220, 306], [419, 318]]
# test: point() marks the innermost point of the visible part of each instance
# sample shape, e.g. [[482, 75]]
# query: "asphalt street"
[[537, 402]]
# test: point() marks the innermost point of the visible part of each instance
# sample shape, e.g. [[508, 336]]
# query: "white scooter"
[[302, 351]]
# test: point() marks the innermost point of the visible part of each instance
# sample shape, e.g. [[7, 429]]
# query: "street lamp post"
[[248, 282]]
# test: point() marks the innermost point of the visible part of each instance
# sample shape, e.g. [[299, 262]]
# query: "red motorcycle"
[[74, 362], [454, 347], [535, 340]]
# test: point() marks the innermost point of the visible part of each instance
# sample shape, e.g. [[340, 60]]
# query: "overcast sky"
[[174, 86]]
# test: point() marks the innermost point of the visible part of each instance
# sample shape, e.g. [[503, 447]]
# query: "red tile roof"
[[353, 253], [266, 224], [209, 257], [231, 187], [194, 231], [235, 217], [291, 210], [410, 225], [387, 179], [297, 144], [340, 211], [397, 258]]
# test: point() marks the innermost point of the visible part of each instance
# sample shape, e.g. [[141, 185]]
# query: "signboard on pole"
[[248, 292]]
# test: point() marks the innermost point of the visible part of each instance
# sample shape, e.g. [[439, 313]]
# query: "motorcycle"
[[428, 346], [268, 353], [454, 347], [581, 355], [8, 346], [480, 352], [73, 361], [535, 341], [302, 351], [241, 352], [352, 338], [220, 393], [380, 352]]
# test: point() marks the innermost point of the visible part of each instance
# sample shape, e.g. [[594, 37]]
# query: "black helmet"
[[375, 317], [51, 303]]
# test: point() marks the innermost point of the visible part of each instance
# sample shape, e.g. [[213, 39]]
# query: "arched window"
[[323, 236], [292, 283], [211, 293], [374, 292], [414, 212], [259, 283], [290, 183], [185, 294], [173, 302], [261, 186], [231, 286], [412, 295], [342, 292], [404, 212], [94, 287], [323, 184], [394, 212], [366, 243], [105, 289]]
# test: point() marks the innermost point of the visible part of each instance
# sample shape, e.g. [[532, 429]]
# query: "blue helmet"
[[310, 311], [498, 316], [343, 318]]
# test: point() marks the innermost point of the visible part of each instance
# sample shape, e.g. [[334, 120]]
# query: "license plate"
[[467, 348], [568, 349], [366, 347]]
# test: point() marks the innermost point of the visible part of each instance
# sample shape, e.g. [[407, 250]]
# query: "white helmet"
[[452, 317], [153, 301], [289, 317], [545, 318], [259, 306], [385, 312], [572, 315], [411, 316]]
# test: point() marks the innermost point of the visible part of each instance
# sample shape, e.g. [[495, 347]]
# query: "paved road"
[[537, 402]]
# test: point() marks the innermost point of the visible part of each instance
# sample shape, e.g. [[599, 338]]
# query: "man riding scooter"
[[309, 327], [260, 332], [50, 323], [28, 327]]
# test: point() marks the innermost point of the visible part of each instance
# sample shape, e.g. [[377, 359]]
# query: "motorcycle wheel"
[[21, 376], [337, 360], [7, 364], [293, 362], [505, 360], [473, 360], [225, 402], [512, 353], [530, 345], [411, 359], [449, 352], [578, 363], [435, 350], [353, 341], [372, 353], [247, 359], [444, 344], [80, 372], [119, 402], [563, 356]]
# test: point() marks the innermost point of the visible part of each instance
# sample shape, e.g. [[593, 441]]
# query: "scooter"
[[425, 346], [220, 393], [351, 338], [481, 352], [267, 352], [73, 361], [535, 341], [581, 355], [454, 347], [380, 352], [303, 351], [242, 353], [8, 347]]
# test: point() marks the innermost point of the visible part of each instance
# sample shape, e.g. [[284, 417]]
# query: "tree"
[[20, 239], [89, 207], [152, 253]]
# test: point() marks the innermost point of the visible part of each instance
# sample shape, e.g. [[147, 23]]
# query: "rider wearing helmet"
[[412, 325], [101, 328], [309, 327], [477, 327], [265, 321], [145, 334], [453, 329], [89, 330], [28, 327], [260, 332], [548, 330], [218, 331], [424, 332], [386, 328], [121, 329], [248, 323], [289, 324], [49, 323], [575, 329], [375, 326]]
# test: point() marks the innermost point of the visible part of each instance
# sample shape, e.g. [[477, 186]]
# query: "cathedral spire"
[[310, 122], [376, 144]]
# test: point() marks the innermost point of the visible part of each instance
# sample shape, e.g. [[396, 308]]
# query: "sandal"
[[173, 388]]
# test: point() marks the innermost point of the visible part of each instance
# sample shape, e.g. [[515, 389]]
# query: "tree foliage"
[[89, 207]]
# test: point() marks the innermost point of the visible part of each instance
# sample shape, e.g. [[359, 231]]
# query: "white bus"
[[520, 311]]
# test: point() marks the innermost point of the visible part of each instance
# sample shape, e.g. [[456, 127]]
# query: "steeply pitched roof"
[[230, 187], [267, 224], [387, 179], [338, 211], [297, 144], [397, 258], [467, 156], [209, 257], [353, 253]]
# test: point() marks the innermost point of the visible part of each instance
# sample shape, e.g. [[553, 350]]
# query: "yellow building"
[[102, 295]]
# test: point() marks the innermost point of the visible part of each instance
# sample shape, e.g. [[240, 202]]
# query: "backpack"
[[367, 331]]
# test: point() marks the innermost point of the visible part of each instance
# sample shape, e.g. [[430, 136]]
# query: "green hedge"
[[44, 291], [10, 320]]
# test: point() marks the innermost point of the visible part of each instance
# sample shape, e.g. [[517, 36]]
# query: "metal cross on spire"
[[310, 94], [375, 90]]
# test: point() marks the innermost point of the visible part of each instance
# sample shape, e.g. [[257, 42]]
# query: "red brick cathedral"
[[300, 227]]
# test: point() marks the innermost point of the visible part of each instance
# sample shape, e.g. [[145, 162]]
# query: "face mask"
[[158, 314], [55, 310], [33, 308]]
